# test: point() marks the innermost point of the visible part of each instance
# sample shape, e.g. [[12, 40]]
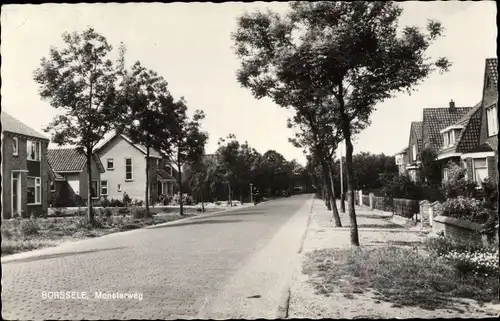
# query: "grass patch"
[[21, 235], [402, 276]]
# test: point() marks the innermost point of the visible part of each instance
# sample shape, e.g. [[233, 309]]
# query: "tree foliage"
[[79, 80], [348, 53]]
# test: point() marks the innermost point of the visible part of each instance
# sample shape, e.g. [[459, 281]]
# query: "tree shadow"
[[386, 226], [59, 255], [255, 212], [196, 222]]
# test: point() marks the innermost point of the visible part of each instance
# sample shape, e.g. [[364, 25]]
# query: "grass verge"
[[400, 275], [21, 235]]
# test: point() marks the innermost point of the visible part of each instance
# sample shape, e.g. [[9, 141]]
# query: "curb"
[[61, 246], [284, 308]]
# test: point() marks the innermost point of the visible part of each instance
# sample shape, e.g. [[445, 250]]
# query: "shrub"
[[123, 211], [126, 199], [432, 192], [138, 212], [186, 199], [401, 186], [165, 199], [106, 212], [104, 202], [114, 202], [463, 208], [456, 184], [137, 202], [30, 227]]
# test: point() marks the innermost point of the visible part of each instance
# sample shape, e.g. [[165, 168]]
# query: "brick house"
[[481, 157], [439, 123], [25, 180], [70, 181], [415, 146]]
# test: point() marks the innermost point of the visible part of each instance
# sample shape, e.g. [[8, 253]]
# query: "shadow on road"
[[196, 222], [254, 212], [58, 255]]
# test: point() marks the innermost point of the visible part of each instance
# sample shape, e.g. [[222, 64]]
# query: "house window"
[[52, 186], [128, 169], [414, 152], [445, 139], [452, 137], [119, 187], [34, 190], [492, 117], [480, 170], [34, 150], [93, 189], [110, 164], [15, 147], [104, 187]]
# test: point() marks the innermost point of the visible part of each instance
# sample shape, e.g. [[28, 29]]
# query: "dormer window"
[[450, 135]]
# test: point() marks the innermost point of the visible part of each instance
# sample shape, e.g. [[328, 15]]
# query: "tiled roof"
[[469, 136], [13, 125], [416, 129], [485, 147], [69, 160], [66, 159], [163, 174], [436, 119], [492, 66]]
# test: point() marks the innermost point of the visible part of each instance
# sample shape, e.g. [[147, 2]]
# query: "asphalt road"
[[170, 269]]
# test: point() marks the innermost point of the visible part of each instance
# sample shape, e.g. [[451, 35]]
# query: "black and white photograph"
[[249, 160]]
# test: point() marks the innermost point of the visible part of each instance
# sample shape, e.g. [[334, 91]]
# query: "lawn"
[[21, 235], [403, 276]]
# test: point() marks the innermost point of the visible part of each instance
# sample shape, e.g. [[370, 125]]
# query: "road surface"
[[213, 266]]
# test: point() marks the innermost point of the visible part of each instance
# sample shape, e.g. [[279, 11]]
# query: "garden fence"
[[383, 203], [406, 208], [366, 200]]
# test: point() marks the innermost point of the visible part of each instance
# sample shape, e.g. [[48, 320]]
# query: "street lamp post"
[[251, 192]]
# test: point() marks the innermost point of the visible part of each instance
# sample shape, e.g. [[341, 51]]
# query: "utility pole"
[[342, 198]]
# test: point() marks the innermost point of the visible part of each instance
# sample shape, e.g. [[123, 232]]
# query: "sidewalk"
[[374, 229]]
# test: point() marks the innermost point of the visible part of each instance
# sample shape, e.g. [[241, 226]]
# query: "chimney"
[[452, 105]]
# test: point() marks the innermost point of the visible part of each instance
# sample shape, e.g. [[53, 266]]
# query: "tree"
[[196, 174], [227, 161], [142, 93], [347, 52], [431, 170], [321, 139], [182, 139], [79, 80]]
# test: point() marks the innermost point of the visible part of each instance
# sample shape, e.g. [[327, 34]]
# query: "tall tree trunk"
[[326, 197], [342, 191], [202, 201], [90, 212], [331, 192], [350, 176], [179, 175], [230, 195], [146, 201], [241, 196]]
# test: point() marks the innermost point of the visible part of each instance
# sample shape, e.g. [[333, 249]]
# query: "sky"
[[190, 46]]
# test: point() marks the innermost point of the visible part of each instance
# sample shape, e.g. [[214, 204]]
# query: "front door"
[[16, 193]]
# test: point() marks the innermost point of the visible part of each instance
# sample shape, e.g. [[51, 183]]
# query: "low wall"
[[460, 230]]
